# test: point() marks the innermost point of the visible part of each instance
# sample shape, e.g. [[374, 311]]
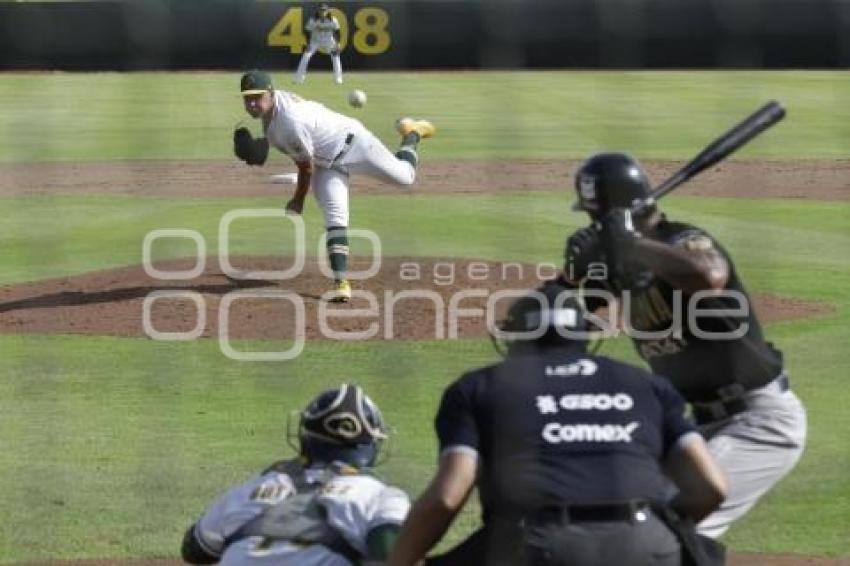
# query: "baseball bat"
[[719, 149]]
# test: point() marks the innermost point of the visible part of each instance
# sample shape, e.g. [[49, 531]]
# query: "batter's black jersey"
[[711, 350], [562, 427]]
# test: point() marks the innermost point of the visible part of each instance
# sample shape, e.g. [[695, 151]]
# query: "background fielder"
[[323, 28], [320, 509], [328, 148]]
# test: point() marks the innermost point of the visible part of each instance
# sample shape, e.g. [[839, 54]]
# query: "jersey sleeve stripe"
[[686, 439], [459, 449], [205, 546]]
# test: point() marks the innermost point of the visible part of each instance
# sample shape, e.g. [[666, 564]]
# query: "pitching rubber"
[[284, 178]]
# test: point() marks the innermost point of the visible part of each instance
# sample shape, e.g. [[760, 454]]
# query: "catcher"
[[321, 509], [327, 148]]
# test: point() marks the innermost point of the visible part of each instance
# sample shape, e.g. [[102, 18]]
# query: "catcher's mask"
[[550, 315], [610, 180], [340, 425]]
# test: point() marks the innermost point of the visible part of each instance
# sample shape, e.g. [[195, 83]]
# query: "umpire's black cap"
[[552, 314]]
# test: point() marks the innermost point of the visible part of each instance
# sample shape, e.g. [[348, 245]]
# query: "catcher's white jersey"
[[355, 504], [322, 32], [307, 130]]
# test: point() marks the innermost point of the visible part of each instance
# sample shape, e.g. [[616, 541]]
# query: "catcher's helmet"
[[341, 424], [550, 315], [610, 180]]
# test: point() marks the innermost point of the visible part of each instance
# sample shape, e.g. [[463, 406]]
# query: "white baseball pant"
[[366, 156], [311, 49]]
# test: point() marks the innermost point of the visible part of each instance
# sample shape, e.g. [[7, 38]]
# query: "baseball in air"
[[357, 98]]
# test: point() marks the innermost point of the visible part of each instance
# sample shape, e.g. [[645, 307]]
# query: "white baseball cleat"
[[424, 128]]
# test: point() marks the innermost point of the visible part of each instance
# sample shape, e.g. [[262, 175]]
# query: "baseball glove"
[[252, 151]]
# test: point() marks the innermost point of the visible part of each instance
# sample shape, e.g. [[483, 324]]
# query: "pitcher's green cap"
[[255, 82]]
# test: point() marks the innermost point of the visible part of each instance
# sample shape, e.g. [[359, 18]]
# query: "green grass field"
[[110, 447]]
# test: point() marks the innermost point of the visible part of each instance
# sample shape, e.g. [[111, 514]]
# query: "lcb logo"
[[229, 270]]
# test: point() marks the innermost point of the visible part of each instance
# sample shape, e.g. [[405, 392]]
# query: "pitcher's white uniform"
[[338, 146], [354, 504], [321, 37]]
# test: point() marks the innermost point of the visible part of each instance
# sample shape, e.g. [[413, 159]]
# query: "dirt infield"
[[414, 299], [813, 180]]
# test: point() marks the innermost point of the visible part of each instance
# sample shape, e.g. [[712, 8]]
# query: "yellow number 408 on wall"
[[371, 36]]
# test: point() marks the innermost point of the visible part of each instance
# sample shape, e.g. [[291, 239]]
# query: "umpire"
[[691, 320], [568, 451]]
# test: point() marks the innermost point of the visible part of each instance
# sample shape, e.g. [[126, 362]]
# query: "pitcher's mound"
[[407, 298]]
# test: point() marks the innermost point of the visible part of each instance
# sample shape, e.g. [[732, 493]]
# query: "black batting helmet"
[[610, 180], [341, 425]]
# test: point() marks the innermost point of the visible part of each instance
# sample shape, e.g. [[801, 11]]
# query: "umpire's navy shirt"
[[558, 426]]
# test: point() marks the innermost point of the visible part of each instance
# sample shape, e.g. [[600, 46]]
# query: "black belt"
[[718, 410], [345, 148], [637, 510], [724, 408]]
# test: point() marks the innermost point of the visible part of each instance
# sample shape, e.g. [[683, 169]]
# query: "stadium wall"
[[449, 34]]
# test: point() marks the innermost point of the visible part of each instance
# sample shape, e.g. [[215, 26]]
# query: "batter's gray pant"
[[756, 449]]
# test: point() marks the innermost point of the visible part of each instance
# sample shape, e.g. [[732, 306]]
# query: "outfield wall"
[[195, 34]]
